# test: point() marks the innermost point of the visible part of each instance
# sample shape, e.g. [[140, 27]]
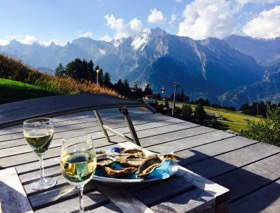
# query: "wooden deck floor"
[[250, 169]]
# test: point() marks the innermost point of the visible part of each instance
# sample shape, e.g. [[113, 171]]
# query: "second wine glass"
[[78, 162]]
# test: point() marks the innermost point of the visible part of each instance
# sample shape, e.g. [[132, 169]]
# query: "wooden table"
[[248, 168], [185, 191]]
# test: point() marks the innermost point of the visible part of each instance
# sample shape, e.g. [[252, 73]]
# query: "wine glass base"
[[43, 183]]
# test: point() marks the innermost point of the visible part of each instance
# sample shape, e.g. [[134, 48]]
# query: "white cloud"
[[118, 25], [156, 17], [122, 30], [25, 39], [133, 29], [4, 42], [28, 39], [266, 25], [135, 25], [141, 41], [112, 22], [243, 2], [208, 18]]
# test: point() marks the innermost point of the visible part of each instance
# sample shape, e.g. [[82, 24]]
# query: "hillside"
[[12, 91], [267, 90], [18, 82], [264, 51]]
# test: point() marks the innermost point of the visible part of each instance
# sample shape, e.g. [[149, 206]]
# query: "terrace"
[[248, 168]]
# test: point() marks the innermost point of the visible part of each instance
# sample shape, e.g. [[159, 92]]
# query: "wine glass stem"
[[81, 201], [42, 172]]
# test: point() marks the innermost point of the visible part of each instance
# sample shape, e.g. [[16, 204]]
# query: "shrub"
[[267, 129], [187, 112], [199, 113]]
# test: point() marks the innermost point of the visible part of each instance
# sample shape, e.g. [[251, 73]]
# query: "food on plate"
[[104, 161], [129, 153], [130, 163], [149, 165], [134, 152], [120, 173], [100, 153]]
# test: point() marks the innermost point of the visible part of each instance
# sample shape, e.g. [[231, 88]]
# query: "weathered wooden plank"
[[123, 199], [168, 188], [218, 191], [55, 195], [197, 200], [186, 142], [106, 209], [92, 200], [265, 199], [29, 157], [27, 184], [196, 151], [226, 162], [26, 168], [249, 178], [17, 138], [12, 195], [56, 142], [164, 135]]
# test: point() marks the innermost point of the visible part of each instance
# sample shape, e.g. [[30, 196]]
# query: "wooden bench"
[[15, 113]]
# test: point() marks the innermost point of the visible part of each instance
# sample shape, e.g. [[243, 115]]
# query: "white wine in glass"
[[78, 162], [38, 132]]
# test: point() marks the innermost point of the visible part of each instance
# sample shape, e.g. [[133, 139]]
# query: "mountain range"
[[230, 71]]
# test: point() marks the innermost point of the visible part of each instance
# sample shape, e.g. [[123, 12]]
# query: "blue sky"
[[62, 21]]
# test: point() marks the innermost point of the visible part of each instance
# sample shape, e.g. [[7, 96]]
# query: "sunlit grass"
[[232, 120], [12, 90], [15, 91], [235, 121], [21, 82]]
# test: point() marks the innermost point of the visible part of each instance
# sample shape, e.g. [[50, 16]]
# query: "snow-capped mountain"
[[205, 68]]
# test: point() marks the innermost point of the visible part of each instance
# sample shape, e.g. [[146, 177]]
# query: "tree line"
[[83, 70], [257, 108], [86, 70]]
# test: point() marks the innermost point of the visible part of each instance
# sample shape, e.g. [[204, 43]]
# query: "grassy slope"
[[231, 120], [235, 121], [19, 82], [15, 91]]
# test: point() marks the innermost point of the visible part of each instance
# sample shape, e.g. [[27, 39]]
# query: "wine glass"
[[38, 132], [78, 162]]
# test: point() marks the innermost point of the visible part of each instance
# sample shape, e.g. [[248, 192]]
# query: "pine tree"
[[60, 70]]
